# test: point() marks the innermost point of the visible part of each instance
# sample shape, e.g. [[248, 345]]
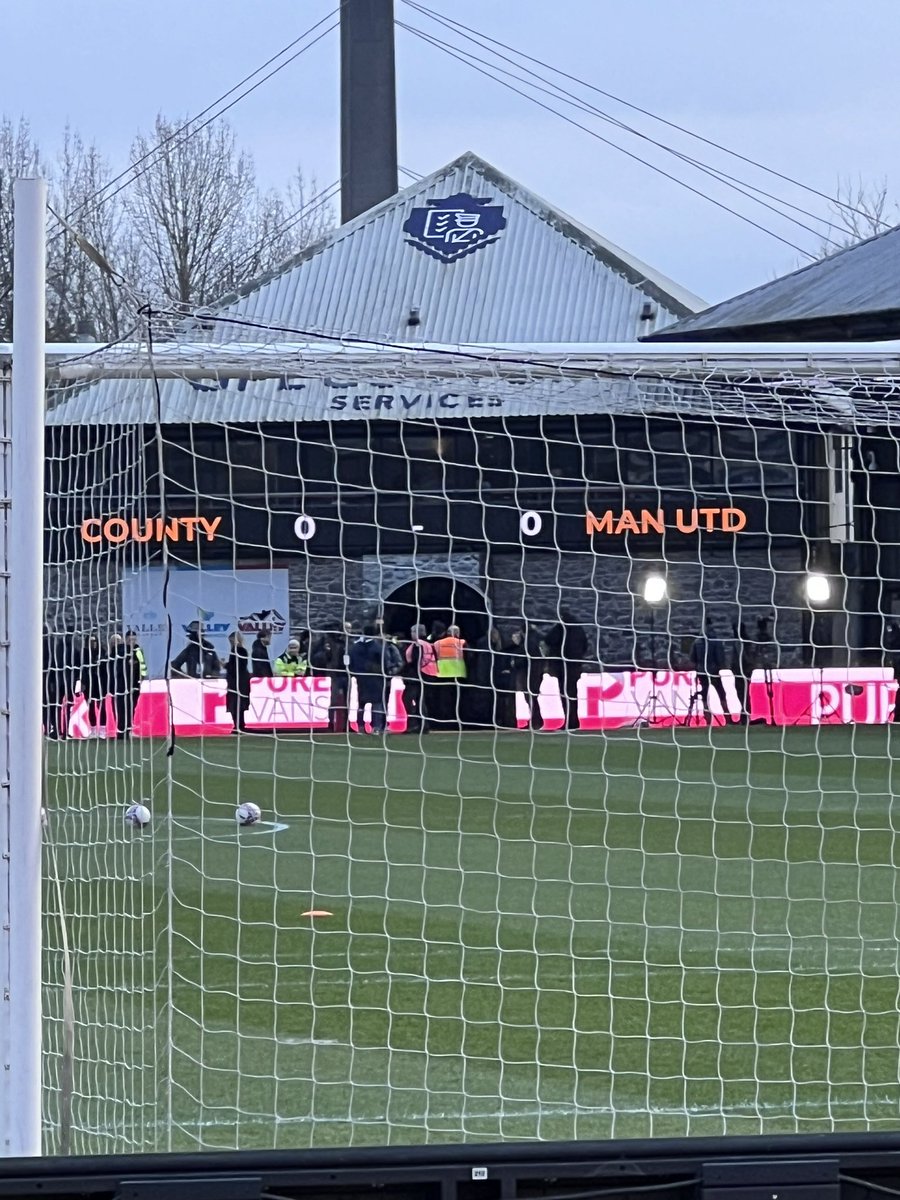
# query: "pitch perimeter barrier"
[[791, 1167], [606, 700]]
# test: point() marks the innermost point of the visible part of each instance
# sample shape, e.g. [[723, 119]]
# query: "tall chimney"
[[368, 106]]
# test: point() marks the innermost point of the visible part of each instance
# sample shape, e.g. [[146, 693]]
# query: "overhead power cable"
[[737, 185], [315, 202], [557, 92], [474, 35], [466, 58], [190, 127]]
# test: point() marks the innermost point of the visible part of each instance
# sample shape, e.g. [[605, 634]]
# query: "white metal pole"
[[24, 518]]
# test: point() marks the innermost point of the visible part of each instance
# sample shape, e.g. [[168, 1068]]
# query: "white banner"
[[220, 600]]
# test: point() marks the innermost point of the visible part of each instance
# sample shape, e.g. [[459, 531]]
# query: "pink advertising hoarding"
[[607, 700]]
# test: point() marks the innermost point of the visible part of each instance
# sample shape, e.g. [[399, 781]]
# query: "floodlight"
[[818, 588], [655, 589]]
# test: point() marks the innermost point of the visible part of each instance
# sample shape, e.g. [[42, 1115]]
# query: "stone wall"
[[325, 592], [601, 591], [84, 595], [328, 591]]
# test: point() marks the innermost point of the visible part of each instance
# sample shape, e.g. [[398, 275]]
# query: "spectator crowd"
[[448, 684]]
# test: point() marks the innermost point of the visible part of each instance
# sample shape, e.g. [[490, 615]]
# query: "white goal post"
[[214, 1005], [21, 555]]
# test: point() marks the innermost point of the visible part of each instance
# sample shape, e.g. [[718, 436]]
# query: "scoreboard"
[[352, 524]]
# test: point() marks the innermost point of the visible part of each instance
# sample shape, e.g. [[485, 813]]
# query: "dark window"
[[600, 464], [318, 465], [493, 462], [196, 462], [245, 468], [756, 459], [424, 460], [669, 455], [354, 462]]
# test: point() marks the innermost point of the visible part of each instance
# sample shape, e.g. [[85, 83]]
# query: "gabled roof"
[[852, 287], [540, 276]]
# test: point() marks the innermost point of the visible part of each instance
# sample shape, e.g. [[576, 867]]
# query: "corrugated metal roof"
[[861, 279], [544, 277], [355, 396], [351, 384]]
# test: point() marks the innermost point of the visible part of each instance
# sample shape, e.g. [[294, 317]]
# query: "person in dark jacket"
[[374, 662], [94, 675], [743, 662], [53, 690], [237, 682], [490, 671], [566, 646], [327, 658], [126, 669], [198, 658], [260, 665], [708, 660], [526, 651], [118, 684], [506, 670]]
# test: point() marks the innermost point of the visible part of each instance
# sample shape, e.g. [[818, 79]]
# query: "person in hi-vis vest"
[[133, 670], [420, 682], [450, 651]]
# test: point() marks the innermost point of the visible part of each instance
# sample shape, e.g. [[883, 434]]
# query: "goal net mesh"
[[669, 909]]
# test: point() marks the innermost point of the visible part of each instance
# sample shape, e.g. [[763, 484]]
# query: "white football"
[[247, 814], [138, 815]]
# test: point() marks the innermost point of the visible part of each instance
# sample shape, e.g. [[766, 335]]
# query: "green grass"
[[645, 934]]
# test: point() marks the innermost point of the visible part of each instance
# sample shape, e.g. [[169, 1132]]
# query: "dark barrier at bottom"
[[806, 1167]]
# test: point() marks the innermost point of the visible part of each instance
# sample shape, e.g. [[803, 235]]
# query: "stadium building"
[[852, 295], [447, 497]]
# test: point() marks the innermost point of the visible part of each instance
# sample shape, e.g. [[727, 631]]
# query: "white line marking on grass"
[[310, 1041], [199, 825], [762, 1112]]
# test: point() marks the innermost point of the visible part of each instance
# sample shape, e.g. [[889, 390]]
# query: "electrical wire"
[[473, 34], [191, 125], [315, 202], [462, 56], [557, 92], [715, 173]]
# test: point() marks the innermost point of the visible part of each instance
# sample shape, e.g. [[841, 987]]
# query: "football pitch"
[[649, 933]]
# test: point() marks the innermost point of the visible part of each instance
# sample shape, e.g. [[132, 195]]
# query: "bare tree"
[[312, 208], [19, 157], [187, 206], [190, 228], [278, 227], [859, 211], [83, 300]]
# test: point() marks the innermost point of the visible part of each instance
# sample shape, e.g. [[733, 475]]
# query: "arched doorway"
[[436, 598]]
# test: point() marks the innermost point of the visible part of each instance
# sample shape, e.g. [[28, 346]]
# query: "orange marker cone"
[[317, 912]]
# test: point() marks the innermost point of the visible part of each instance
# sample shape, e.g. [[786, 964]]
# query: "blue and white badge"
[[452, 228]]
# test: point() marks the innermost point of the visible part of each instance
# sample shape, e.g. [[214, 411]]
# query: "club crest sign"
[[450, 229]]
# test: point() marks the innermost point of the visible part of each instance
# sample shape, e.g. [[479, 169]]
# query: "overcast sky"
[[807, 87]]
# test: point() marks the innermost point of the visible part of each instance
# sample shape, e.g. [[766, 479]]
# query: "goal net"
[[560, 680]]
